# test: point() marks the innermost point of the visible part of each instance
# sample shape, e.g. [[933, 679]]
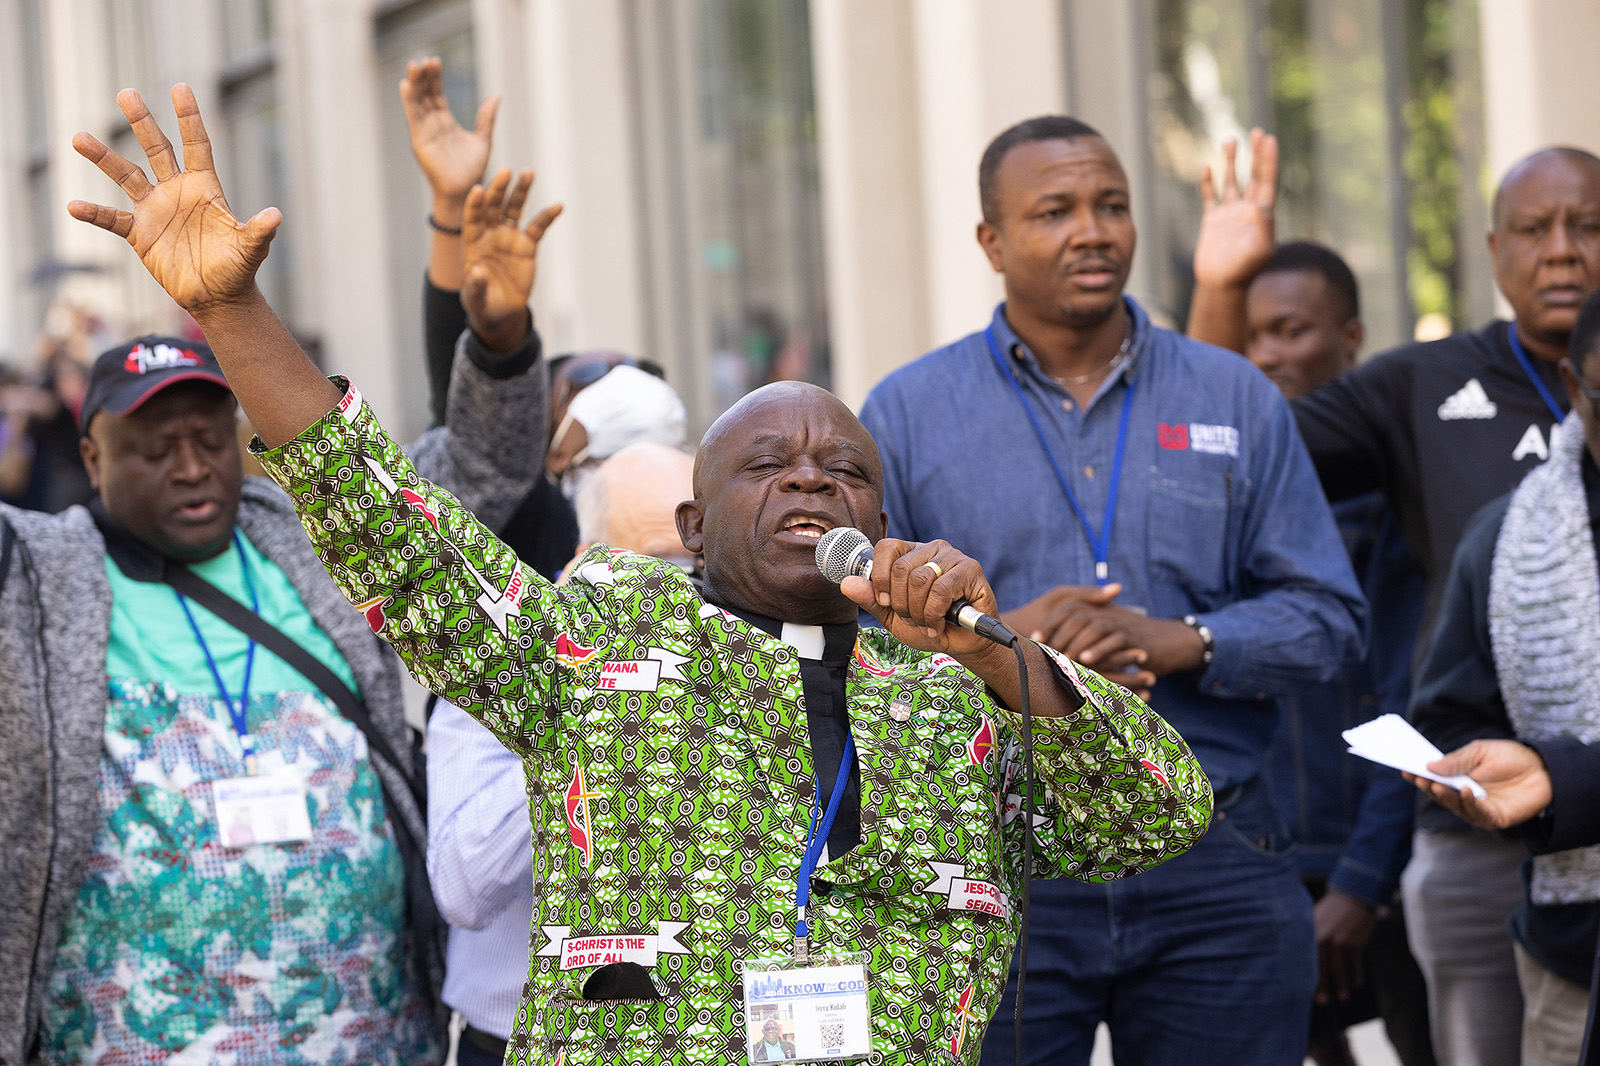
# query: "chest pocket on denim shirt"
[[1191, 536]]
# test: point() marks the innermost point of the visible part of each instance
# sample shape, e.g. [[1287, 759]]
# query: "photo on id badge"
[[806, 1013]]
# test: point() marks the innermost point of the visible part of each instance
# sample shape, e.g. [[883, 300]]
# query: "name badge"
[[807, 1013], [268, 808]]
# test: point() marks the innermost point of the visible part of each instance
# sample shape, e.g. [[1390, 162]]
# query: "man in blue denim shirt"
[[1218, 519]]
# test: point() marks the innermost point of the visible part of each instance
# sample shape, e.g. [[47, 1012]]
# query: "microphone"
[[846, 552]]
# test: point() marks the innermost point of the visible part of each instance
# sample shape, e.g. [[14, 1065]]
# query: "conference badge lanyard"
[[1527, 368], [1099, 542], [256, 808], [809, 1006]]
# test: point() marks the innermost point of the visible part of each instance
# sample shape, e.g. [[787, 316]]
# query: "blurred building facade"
[[775, 188]]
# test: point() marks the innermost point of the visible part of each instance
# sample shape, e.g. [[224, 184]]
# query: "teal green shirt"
[[288, 953], [151, 638]]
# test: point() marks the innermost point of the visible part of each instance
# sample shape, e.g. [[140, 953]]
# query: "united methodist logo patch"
[[570, 653], [964, 1015], [981, 743], [145, 358], [865, 660], [579, 822], [1156, 772], [373, 610], [421, 506]]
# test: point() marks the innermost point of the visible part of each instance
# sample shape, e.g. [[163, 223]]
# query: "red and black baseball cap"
[[122, 379]]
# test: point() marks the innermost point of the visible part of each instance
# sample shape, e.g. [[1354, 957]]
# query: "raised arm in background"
[[206, 260], [1237, 236], [452, 159]]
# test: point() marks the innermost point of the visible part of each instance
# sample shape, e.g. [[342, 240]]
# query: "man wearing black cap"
[[211, 822]]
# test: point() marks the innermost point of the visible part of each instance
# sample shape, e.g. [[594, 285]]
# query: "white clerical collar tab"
[[807, 640]]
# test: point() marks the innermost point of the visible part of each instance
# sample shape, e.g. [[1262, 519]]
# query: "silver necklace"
[[1094, 375]]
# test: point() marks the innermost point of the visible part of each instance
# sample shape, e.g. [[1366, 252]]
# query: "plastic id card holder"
[[812, 1011], [267, 808]]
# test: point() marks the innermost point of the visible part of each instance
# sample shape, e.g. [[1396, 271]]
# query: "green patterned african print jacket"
[[670, 781]]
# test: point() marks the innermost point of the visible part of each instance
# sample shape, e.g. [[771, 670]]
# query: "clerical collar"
[[827, 643]]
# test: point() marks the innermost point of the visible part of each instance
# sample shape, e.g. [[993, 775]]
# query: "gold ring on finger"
[[938, 571]]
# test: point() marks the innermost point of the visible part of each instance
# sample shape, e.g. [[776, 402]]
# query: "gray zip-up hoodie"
[[55, 617]]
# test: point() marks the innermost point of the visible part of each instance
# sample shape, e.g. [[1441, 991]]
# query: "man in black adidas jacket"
[[1442, 428]]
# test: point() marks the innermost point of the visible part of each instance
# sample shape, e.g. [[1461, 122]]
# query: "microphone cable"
[[1027, 842], [844, 552]]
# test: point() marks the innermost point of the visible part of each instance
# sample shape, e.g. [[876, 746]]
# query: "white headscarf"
[[627, 406]]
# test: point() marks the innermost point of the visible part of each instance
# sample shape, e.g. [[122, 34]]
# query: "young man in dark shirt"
[[1441, 428], [1351, 819]]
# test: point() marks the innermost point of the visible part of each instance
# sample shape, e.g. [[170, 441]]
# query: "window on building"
[[249, 140], [406, 32], [730, 190], [128, 42], [248, 27], [255, 176], [1377, 108]]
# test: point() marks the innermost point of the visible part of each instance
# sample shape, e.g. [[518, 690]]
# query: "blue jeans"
[[1208, 958]]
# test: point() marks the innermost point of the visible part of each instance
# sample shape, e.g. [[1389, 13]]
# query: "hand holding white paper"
[[1393, 741]]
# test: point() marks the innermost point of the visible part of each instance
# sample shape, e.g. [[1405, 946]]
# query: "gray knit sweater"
[[55, 616]]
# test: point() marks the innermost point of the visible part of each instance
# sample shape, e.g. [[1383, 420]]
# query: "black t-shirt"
[[823, 684], [1441, 428]]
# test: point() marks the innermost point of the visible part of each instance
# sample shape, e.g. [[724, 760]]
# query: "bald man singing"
[[702, 860]]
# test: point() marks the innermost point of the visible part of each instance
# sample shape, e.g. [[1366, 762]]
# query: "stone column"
[[909, 92], [329, 81], [1538, 77], [871, 189]]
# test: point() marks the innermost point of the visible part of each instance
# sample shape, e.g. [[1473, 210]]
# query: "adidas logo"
[[1470, 401]]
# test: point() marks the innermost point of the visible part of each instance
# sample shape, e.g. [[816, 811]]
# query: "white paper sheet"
[[1392, 741]]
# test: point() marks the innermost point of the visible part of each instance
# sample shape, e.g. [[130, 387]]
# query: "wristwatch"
[[1206, 638]]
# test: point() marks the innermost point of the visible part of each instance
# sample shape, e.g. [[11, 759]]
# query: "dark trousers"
[[1207, 959], [475, 1049]]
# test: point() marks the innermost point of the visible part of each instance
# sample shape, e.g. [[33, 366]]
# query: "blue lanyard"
[[1527, 368], [819, 834], [236, 711], [1099, 543]]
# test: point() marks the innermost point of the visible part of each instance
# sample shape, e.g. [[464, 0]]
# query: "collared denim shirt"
[[1219, 512], [1352, 818]]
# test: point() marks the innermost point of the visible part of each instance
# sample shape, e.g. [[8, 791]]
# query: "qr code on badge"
[[831, 1034]]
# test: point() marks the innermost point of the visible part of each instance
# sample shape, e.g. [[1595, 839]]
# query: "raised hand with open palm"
[[1237, 229], [500, 260], [1238, 232], [181, 226], [453, 158], [206, 259]]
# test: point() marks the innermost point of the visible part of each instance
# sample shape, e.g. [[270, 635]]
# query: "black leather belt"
[[484, 1042]]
